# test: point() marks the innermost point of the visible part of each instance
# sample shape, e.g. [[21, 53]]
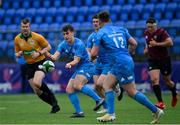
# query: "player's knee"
[[69, 90], [155, 81], [77, 86], [36, 83]]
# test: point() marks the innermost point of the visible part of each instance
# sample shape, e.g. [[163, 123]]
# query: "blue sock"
[[141, 98], [110, 101], [90, 93], [75, 101], [105, 105]]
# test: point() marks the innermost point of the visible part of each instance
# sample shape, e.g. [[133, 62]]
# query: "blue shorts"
[[101, 69], [124, 71], [85, 70]]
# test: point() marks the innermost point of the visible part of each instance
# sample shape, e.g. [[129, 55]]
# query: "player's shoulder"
[[160, 30], [78, 42], [35, 34], [17, 37]]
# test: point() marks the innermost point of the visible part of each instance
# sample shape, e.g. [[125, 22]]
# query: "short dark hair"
[[151, 20], [25, 20], [104, 16], [68, 27], [95, 16]]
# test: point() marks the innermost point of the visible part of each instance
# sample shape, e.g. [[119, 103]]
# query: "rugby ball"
[[47, 66]]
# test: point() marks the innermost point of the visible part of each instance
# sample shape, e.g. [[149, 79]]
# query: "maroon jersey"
[[160, 35]]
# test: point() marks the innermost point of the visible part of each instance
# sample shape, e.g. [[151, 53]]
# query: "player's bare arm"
[[74, 62], [132, 45], [94, 52], [167, 43], [145, 50], [44, 50], [53, 57]]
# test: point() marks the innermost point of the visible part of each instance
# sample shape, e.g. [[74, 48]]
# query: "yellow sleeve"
[[16, 45]]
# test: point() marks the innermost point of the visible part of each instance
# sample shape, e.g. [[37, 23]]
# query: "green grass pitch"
[[29, 109]]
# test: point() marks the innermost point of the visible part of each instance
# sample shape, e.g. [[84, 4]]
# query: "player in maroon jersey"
[[157, 43]]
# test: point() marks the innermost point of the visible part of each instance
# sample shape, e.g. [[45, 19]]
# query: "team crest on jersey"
[[31, 42], [155, 37], [146, 37], [21, 43]]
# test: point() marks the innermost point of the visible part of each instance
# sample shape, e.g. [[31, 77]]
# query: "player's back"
[[114, 41]]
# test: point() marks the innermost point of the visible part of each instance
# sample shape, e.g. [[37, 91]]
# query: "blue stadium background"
[[48, 16]]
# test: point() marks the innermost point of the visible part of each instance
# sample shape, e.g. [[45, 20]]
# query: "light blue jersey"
[[102, 60], [84, 67], [114, 40]]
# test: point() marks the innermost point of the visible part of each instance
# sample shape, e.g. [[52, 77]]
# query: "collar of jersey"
[[22, 36]]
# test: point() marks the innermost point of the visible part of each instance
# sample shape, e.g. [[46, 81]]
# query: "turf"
[[29, 109]]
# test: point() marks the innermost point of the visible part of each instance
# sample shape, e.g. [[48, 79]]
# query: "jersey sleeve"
[[80, 50], [16, 45], [60, 47], [89, 42], [127, 34], [165, 35], [98, 38]]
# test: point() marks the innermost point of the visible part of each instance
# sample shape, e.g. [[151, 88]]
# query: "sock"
[[50, 95], [105, 105], [90, 93], [173, 90], [141, 98], [157, 91], [44, 96], [75, 101], [110, 101]]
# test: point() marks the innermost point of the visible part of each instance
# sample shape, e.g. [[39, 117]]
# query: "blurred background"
[[48, 16]]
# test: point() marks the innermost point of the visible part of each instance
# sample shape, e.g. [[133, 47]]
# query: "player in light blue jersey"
[[84, 69], [114, 40], [101, 66]]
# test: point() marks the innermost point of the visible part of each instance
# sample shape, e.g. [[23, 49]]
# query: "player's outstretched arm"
[[73, 63], [53, 57], [132, 45]]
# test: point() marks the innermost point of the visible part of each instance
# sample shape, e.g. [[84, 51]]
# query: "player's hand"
[[145, 51], [68, 66], [18, 54], [152, 43], [35, 55]]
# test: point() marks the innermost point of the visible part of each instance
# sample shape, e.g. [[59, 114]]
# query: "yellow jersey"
[[35, 42]]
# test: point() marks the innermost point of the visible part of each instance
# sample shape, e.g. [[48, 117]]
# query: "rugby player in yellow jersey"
[[33, 46]]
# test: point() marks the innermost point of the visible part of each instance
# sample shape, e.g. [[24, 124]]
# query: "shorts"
[[101, 69], [164, 65], [123, 71], [86, 70], [32, 68]]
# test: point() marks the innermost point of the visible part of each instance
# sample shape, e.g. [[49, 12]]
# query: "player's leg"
[[108, 83], [46, 93], [142, 99], [79, 84], [74, 99], [99, 83], [172, 88], [119, 91], [99, 89], [166, 72], [154, 76]]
